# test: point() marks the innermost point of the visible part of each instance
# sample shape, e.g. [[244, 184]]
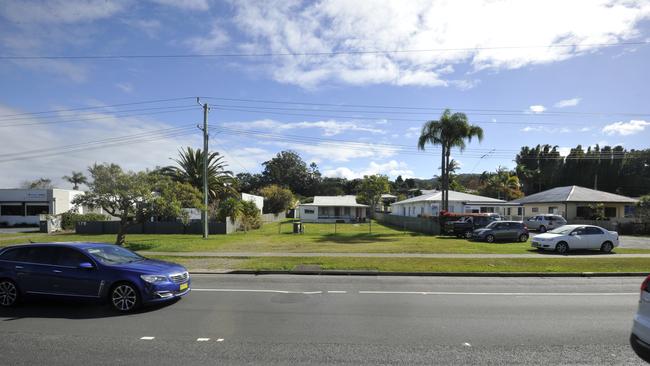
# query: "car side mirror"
[[86, 265], [573, 234]]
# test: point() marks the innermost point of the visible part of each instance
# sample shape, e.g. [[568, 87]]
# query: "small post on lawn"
[[334, 226]]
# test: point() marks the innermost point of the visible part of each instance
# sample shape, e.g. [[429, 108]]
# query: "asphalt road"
[[318, 320]]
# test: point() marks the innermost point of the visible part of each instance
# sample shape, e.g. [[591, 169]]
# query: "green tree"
[[40, 183], [76, 179], [277, 199], [371, 189], [287, 169], [189, 169], [450, 131], [250, 216], [643, 208], [502, 184], [231, 208], [134, 197]]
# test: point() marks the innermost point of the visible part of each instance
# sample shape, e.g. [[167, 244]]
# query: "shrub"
[[250, 216], [69, 219]]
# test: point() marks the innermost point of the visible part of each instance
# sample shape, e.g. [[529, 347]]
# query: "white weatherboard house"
[[257, 200], [429, 205], [23, 206], [333, 209]]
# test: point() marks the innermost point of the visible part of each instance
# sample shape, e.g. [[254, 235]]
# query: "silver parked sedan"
[[543, 223]]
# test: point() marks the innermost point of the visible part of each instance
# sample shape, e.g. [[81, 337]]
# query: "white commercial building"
[[459, 202], [333, 209], [23, 206]]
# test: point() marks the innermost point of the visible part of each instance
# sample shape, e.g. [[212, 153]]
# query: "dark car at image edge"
[[104, 272]]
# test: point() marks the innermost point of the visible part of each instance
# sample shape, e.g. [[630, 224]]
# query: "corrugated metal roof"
[[453, 196], [341, 201], [575, 194]]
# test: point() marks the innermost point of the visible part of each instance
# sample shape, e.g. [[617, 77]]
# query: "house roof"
[[436, 196], [574, 194], [340, 201]]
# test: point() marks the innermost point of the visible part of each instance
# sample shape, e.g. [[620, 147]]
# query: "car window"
[[580, 231], [70, 257], [41, 255], [562, 230], [112, 254], [593, 231], [10, 255]]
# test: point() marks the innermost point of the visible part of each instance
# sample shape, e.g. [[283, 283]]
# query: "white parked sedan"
[[572, 237]]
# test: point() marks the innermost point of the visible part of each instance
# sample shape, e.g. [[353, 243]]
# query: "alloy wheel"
[[124, 298], [523, 238], [606, 247], [468, 235], [542, 229], [8, 293], [490, 238], [562, 248]]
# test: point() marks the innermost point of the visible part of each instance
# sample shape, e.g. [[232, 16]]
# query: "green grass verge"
[[318, 238], [549, 265]]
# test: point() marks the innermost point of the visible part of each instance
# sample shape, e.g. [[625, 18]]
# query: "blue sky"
[[488, 55]]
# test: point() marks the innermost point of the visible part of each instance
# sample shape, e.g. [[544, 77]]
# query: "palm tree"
[[450, 131], [190, 170], [76, 179]]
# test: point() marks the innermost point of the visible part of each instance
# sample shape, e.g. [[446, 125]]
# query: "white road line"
[[256, 291], [202, 339], [147, 338], [312, 292], [502, 293], [220, 340], [337, 292], [467, 344]]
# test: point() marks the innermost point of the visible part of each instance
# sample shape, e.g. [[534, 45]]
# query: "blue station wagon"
[[89, 270]]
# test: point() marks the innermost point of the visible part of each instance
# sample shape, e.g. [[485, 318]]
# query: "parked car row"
[[555, 234]]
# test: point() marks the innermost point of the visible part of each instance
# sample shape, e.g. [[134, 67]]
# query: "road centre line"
[[202, 339], [147, 338], [439, 293]]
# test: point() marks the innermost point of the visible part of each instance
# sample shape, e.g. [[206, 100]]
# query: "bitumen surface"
[[322, 320]]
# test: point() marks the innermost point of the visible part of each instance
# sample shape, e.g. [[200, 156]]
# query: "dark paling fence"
[[633, 228], [112, 227], [425, 225]]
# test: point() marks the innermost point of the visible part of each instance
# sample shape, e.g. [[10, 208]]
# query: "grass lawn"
[[318, 238], [422, 265]]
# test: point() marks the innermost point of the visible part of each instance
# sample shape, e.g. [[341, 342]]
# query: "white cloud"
[[391, 168], [625, 128], [211, 43], [546, 129], [136, 155], [329, 127], [412, 132], [60, 11], [585, 129], [537, 108], [125, 87], [185, 4], [341, 25], [567, 103]]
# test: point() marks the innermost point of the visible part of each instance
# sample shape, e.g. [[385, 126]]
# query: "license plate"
[[183, 286]]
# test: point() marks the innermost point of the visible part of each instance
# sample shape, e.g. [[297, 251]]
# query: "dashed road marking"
[[202, 339], [467, 344], [337, 292], [220, 340], [147, 338], [500, 293]]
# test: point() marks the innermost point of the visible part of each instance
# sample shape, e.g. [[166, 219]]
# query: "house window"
[[535, 209], [487, 209], [346, 211], [33, 210], [610, 211], [552, 210], [520, 211], [12, 210], [629, 211], [422, 210], [309, 211], [583, 212]]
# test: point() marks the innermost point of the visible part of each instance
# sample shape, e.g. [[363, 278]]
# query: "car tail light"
[[645, 286]]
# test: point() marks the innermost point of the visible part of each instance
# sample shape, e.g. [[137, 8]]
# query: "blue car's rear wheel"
[[8, 293], [124, 297]]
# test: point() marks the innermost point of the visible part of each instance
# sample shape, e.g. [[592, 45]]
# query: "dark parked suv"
[[502, 230], [467, 224]]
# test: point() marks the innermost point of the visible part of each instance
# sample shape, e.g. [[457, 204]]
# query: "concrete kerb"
[[428, 274]]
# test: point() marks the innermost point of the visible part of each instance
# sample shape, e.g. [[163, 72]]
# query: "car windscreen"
[[563, 230], [492, 225], [112, 254]]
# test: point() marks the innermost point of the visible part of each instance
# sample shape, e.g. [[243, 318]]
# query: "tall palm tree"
[[76, 179], [450, 131], [190, 170]]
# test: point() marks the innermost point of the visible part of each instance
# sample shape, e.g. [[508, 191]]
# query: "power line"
[[324, 53], [91, 114], [97, 118], [267, 101]]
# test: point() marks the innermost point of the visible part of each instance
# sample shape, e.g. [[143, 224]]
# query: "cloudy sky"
[[347, 84]]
